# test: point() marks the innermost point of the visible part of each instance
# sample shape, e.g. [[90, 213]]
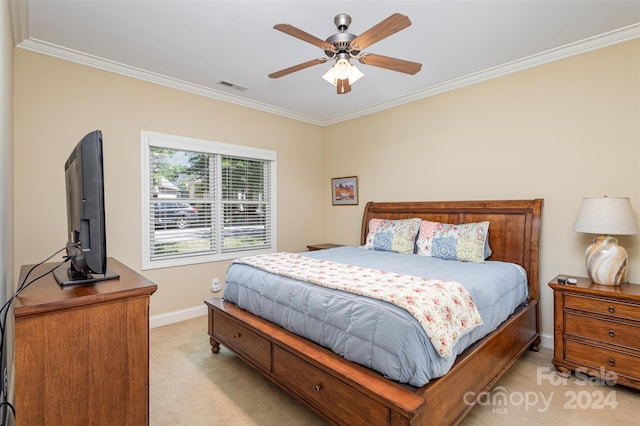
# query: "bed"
[[346, 392]]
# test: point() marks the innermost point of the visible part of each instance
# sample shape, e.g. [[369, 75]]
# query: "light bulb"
[[342, 69]]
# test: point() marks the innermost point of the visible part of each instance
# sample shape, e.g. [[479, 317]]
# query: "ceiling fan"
[[343, 46]]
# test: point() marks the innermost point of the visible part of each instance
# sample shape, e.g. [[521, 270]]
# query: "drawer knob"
[[612, 309], [237, 335], [612, 333], [317, 388], [612, 362]]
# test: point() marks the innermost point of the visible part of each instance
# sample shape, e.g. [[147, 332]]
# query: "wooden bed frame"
[[346, 393]]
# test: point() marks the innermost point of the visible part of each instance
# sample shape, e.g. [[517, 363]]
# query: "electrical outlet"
[[215, 285]]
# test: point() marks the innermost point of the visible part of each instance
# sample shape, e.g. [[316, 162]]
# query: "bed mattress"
[[373, 333]]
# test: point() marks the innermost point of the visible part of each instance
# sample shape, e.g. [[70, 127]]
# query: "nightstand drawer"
[[597, 358], [613, 332], [604, 307]]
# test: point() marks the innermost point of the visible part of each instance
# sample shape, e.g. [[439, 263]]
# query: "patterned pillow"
[[467, 242], [487, 249], [393, 235]]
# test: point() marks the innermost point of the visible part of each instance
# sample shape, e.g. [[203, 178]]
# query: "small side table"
[[324, 246]]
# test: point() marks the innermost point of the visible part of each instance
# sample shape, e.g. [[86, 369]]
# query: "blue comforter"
[[373, 333]]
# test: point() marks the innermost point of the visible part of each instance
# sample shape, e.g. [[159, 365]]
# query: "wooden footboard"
[[476, 370], [346, 393]]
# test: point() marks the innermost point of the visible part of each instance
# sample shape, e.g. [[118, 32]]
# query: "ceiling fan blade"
[[393, 64], [298, 67], [343, 86], [389, 26], [304, 36]]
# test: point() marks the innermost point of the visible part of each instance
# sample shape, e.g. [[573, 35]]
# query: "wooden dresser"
[[597, 330], [82, 352]]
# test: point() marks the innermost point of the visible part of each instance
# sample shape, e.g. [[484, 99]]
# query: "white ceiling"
[[193, 45]]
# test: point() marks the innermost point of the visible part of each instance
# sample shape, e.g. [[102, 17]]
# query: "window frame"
[[181, 143]]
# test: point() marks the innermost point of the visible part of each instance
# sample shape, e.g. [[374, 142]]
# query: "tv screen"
[[84, 185]]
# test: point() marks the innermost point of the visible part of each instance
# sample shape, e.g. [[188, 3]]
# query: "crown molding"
[[593, 43], [50, 49]]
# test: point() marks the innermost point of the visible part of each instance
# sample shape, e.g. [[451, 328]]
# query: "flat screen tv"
[[86, 244]]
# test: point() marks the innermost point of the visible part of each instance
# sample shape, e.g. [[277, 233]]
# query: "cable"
[[5, 308], [10, 405], [25, 285]]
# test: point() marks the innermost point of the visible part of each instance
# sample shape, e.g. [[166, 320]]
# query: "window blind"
[[205, 204]]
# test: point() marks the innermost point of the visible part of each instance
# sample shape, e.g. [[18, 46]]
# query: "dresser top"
[[46, 295], [586, 286]]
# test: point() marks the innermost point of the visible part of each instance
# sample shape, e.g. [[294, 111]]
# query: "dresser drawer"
[[616, 333], [241, 340], [335, 399], [602, 306], [596, 357]]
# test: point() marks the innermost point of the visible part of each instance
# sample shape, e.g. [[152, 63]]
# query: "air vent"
[[232, 85]]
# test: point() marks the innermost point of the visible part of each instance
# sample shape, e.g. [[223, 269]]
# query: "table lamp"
[[606, 261]]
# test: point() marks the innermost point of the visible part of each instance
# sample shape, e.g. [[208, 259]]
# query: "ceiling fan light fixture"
[[332, 78], [342, 69]]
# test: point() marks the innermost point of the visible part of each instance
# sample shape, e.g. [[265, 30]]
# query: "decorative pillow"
[[467, 242], [393, 235], [487, 249]]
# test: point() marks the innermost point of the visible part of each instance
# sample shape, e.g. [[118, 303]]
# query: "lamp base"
[[606, 261]]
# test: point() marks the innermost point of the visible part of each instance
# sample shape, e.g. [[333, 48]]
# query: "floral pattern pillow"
[[467, 242], [393, 235]]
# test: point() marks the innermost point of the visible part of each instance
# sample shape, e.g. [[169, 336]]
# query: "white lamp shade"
[[331, 77], [606, 216], [355, 74]]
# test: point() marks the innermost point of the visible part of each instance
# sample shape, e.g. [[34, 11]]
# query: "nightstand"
[[314, 247], [597, 330]]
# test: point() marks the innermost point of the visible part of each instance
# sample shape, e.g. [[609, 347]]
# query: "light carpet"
[[189, 385]]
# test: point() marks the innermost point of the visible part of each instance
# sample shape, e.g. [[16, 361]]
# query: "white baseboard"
[[177, 316], [546, 340]]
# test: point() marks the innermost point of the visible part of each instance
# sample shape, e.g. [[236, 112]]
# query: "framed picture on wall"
[[344, 191]]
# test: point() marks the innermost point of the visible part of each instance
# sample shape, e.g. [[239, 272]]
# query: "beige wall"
[[57, 102], [561, 131]]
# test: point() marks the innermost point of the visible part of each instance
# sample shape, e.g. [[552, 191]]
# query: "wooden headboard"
[[514, 226]]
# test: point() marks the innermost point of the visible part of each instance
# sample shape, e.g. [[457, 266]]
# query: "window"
[[205, 201]]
